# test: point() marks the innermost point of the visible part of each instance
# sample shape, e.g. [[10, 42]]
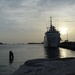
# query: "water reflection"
[[52, 52], [64, 53]]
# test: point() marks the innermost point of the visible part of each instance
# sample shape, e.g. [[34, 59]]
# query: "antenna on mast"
[[50, 21]]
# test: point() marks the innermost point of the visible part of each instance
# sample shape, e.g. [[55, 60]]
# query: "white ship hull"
[[51, 41]]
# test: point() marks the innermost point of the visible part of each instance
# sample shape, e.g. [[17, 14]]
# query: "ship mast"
[[51, 27], [50, 21]]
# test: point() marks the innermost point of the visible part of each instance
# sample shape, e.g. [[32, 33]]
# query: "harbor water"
[[26, 52]]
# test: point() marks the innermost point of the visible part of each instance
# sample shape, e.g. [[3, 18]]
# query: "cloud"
[[20, 14], [55, 3], [28, 12], [29, 16], [57, 6]]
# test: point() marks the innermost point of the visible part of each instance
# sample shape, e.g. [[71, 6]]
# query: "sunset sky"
[[26, 20]]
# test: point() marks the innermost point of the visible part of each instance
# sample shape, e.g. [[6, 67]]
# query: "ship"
[[52, 36]]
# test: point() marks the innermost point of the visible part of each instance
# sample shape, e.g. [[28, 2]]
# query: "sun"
[[63, 31]]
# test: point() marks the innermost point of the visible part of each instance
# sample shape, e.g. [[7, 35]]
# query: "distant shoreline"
[[35, 43], [1, 43]]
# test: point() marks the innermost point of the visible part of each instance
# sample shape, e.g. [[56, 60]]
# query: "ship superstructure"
[[52, 36]]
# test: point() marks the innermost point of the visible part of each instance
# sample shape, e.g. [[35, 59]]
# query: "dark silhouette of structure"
[[11, 57], [68, 45], [1, 43]]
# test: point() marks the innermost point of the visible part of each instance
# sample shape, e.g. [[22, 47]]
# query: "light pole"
[[67, 35]]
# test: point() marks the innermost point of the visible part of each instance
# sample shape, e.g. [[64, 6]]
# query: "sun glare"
[[63, 31]]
